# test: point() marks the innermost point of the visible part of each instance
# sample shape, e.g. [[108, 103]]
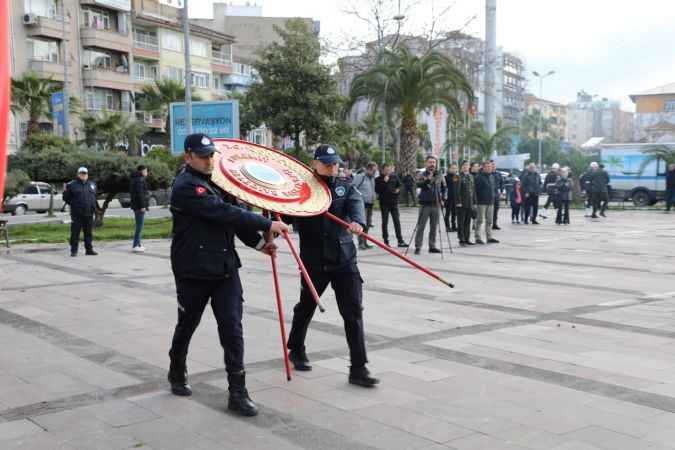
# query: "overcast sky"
[[612, 48]]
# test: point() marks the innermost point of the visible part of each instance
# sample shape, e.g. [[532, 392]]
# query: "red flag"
[[4, 93]]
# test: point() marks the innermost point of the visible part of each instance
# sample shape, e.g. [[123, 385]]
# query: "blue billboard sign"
[[217, 119], [58, 112]]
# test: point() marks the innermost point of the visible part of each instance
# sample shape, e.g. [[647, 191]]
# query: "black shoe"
[[434, 250], [361, 377], [525, 222], [493, 241], [463, 244], [73, 254], [594, 216], [479, 242], [239, 400], [91, 253], [453, 230], [603, 214], [495, 227], [470, 243], [178, 378], [386, 243], [534, 222], [417, 251], [402, 244], [299, 360]]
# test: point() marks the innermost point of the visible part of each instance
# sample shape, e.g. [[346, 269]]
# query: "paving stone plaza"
[[559, 338]]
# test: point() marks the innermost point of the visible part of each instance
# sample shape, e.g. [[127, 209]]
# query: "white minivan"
[[34, 198]]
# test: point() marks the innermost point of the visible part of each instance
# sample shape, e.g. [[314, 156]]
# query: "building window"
[[174, 73], [172, 41], [669, 106], [222, 53], [199, 47], [97, 19], [242, 69], [146, 39], [95, 59], [200, 80], [144, 71], [99, 99], [44, 8], [43, 50]]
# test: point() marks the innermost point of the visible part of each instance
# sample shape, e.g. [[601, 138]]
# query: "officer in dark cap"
[[205, 265], [327, 249]]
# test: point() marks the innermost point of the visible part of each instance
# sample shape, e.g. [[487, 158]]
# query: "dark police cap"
[[199, 144], [327, 154]]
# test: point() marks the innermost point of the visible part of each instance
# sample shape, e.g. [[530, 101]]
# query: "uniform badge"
[[92, 186], [330, 151], [340, 191], [201, 190], [206, 141]]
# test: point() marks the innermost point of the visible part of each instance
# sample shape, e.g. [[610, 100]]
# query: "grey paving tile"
[[18, 429]]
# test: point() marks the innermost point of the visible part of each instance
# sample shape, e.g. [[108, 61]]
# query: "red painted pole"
[[4, 93], [392, 251], [303, 270], [282, 325]]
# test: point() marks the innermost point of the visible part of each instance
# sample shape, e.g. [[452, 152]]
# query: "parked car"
[[35, 198], [158, 197]]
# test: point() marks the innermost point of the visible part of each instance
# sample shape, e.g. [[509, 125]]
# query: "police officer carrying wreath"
[[80, 195], [327, 249], [205, 265]]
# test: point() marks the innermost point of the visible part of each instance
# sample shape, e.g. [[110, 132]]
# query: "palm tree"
[[578, 163], [404, 83], [32, 95], [533, 124], [485, 143], [657, 152], [112, 131], [158, 98]]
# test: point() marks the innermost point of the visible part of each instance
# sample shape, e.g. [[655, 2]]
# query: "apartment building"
[[112, 49], [555, 113], [655, 114]]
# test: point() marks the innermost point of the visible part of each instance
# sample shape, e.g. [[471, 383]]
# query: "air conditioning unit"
[[30, 19]]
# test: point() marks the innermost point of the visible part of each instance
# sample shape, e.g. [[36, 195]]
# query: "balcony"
[[221, 62], [46, 26], [149, 120], [108, 39], [146, 46], [107, 78], [47, 69]]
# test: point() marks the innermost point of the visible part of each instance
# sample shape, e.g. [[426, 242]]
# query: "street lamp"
[[541, 98], [398, 18]]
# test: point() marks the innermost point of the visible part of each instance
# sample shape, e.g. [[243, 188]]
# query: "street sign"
[[58, 112], [217, 119]]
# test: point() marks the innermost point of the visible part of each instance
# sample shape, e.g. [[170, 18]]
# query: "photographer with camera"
[[432, 190]]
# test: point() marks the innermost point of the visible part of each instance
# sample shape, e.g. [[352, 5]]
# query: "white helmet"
[[594, 165], [555, 166]]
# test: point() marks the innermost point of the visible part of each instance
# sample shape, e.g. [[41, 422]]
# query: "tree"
[[113, 131], [15, 183], [485, 143], [657, 152], [550, 150], [532, 125], [158, 98], [404, 83], [578, 162], [32, 95], [296, 94]]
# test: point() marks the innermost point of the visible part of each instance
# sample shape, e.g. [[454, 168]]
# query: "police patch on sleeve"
[[340, 191], [200, 190]]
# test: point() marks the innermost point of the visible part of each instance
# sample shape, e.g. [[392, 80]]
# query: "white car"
[[35, 198]]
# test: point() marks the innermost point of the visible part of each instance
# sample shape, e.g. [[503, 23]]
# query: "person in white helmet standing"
[[549, 183]]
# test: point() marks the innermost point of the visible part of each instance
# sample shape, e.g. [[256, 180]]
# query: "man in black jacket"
[[499, 193], [138, 193], [327, 249], [485, 199], [549, 183], [205, 265], [466, 201], [80, 195], [388, 187], [451, 182], [432, 190], [530, 184], [670, 187]]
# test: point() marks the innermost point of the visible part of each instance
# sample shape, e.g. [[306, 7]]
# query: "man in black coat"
[[327, 249], [432, 190], [485, 200], [499, 194], [451, 182], [387, 188], [138, 193], [466, 204], [670, 187], [549, 183], [530, 184], [80, 195], [205, 265]]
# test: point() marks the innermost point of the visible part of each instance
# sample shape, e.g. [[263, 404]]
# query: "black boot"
[[361, 377], [299, 360], [178, 379], [239, 400]]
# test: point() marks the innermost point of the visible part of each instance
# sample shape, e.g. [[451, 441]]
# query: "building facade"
[[555, 113], [588, 118], [112, 48], [655, 114]]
